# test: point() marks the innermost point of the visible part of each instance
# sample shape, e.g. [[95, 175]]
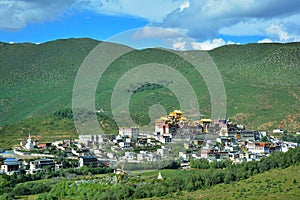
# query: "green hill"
[[274, 184], [261, 81]]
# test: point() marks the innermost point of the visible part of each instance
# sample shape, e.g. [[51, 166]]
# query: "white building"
[[184, 156], [91, 139], [165, 138], [196, 155], [110, 155], [88, 161], [42, 165], [163, 152], [259, 147], [10, 166], [124, 145], [131, 132], [285, 146], [159, 176], [146, 156], [161, 126], [278, 130], [29, 144], [223, 131], [130, 156]]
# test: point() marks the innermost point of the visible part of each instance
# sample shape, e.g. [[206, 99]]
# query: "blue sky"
[[210, 23]]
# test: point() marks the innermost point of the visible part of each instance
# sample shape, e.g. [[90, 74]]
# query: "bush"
[[194, 180], [31, 188]]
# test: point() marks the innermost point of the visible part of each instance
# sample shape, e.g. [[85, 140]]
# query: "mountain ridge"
[[261, 81]]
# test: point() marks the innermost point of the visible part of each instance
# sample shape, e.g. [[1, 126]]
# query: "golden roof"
[[179, 112]]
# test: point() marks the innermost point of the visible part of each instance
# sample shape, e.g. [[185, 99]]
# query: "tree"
[[229, 177], [264, 139]]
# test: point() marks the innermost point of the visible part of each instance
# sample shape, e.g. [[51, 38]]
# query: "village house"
[[259, 147], [10, 166], [131, 132], [286, 145], [222, 155], [163, 151], [126, 144], [244, 135], [184, 155], [278, 130], [130, 156], [42, 165], [163, 138], [147, 156], [196, 155], [185, 164], [90, 140], [90, 161], [141, 141]]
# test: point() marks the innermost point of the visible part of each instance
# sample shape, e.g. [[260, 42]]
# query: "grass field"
[[275, 184]]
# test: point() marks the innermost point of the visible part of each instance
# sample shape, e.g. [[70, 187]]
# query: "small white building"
[[91, 139], [110, 155], [159, 176], [88, 161], [163, 152], [285, 146], [196, 155], [125, 145], [278, 130], [165, 138], [259, 147], [29, 143], [130, 156], [131, 132], [223, 131], [147, 156], [184, 156], [42, 165], [10, 166]]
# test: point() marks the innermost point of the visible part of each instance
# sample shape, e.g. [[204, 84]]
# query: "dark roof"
[[88, 157]]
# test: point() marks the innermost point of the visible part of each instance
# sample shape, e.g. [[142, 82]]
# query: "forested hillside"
[[261, 82]]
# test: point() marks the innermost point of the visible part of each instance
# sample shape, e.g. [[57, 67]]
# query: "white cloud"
[[154, 32], [179, 45], [208, 18], [184, 5], [154, 10], [277, 31], [210, 44], [205, 20], [265, 40], [280, 29], [6, 3], [17, 14]]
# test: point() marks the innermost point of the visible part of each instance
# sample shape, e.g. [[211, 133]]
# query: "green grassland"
[[261, 81], [44, 128], [274, 184]]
